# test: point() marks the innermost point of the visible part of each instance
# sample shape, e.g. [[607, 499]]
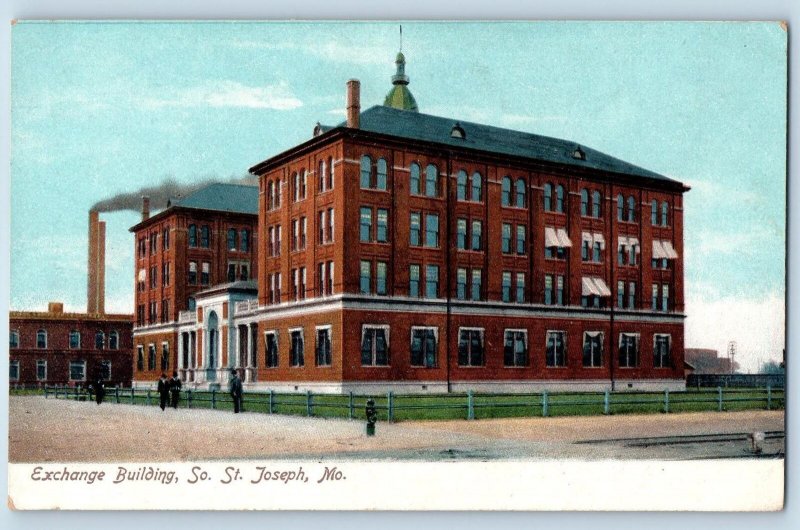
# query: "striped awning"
[[593, 286]]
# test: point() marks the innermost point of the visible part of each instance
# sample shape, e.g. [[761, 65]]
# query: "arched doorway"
[[213, 346]]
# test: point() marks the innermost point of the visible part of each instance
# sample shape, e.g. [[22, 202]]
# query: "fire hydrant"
[[372, 417]]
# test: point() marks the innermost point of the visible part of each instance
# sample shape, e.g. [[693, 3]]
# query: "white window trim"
[[384, 327], [588, 334], [563, 342], [481, 332], [276, 334], [669, 346], [12, 364], [329, 329], [70, 370], [13, 333], [46, 339], [45, 369], [516, 330], [435, 333]]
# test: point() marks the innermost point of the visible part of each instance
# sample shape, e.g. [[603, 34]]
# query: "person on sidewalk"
[[236, 391], [175, 386], [99, 389], [163, 390]]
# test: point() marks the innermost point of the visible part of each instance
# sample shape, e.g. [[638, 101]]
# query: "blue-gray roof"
[[417, 126], [237, 198]]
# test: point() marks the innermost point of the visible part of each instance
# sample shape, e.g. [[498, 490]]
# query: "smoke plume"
[[161, 194]]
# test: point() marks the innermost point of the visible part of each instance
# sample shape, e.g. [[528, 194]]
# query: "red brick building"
[[54, 347], [205, 239], [408, 252]]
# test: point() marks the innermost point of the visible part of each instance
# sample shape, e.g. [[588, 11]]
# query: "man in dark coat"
[[99, 390], [175, 389], [236, 391], [163, 390]]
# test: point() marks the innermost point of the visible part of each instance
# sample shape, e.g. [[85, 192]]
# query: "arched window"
[[521, 192], [213, 339], [151, 357], [383, 171], [99, 340], [654, 212], [664, 213], [415, 172], [74, 339], [244, 241], [193, 235], [330, 172], [548, 197], [584, 202], [631, 209], [461, 186], [366, 171], [232, 239], [505, 191], [321, 176], [113, 340], [620, 208], [596, 201], [431, 181], [477, 187], [205, 236], [41, 339], [560, 198]]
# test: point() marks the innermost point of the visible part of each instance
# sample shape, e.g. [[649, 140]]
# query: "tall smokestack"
[[91, 269], [145, 208], [96, 269], [353, 103]]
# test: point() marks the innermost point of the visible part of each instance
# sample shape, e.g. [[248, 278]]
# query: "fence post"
[[769, 396], [271, 401], [607, 402], [308, 403], [390, 407], [666, 401], [719, 399], [189, 399], [470, 406], [214, 398], [544, 403], [351, 406], [148, 396]]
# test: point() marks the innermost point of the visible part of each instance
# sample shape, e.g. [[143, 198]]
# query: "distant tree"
[[771, 367]]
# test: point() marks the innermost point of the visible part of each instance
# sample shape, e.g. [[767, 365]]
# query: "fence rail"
[[392, 407]]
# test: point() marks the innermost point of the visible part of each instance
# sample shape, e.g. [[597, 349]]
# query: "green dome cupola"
[[400, 97]]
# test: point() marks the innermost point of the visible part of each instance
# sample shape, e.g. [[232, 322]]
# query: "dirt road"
[[50, 430]]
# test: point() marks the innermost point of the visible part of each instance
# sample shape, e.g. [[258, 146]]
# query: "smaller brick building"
[[53, 347]]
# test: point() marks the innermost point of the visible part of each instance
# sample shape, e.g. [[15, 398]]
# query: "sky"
[[106, 108]]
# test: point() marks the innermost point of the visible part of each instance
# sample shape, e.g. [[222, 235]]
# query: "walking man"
[[175, 389], [236, 391], [163, 390], [99, 390]]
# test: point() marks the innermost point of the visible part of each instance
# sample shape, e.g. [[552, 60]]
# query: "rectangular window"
[[303, 277], [470, 347], [631, 295], [506, 243], [461, 234], [330, 225], [521, 238], [13, 339], [506, 287], [244, 241], [74, 340], [628, 350], [295, 234], [620, 294], [271, 346], [380, 277], [231, 272], [244, 271], [383, 225], [432, 281], [585, 250], [461, 284], [415, 229], [423, 347], [665, 297], [296, 351], [232, 239], [165, 310], [165, 273], [662, 357], [303, 227], [365, 226], [13, 370], [321, 279], [365, 280], [548, 289], [271, 241], [77, 370], [559, 290], [556, 350], [655, 297], [520, 287], [432, 230], [153, 277], [375, 346], [164, 356], [330, 277], [205, 275], [413, 281], [515, 347], [323, 353], [205, 236], [477, 232], [476, 284], [321, 227], [278, 233], [105, 370], [41, 370], [592, 349]]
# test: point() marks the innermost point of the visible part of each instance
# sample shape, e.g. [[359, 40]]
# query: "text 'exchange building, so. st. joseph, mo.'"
[[399, 251]]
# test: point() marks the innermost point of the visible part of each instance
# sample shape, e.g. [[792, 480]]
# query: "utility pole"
[[732, 354]]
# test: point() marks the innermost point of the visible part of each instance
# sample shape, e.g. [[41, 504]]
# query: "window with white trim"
[[515, 348], [592, 349], [296, 354], [470, 347], [74, 339], [105, 370], [271, 349], [662, 351], [41, 339], [13, 370], [323, 346], [424, 346], [556, 350], [13, 339], [628, 350], [77, 371], [374, 345], [41, 370]]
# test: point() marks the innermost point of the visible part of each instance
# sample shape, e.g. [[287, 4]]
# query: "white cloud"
[[756, 325], [231, 94], [335, 51]]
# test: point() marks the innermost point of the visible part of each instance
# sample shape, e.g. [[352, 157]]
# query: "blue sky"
[[101, 108]]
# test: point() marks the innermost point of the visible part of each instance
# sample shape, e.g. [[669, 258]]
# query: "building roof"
[[238, 198], [239, 286], [66, 316], [425, 127]]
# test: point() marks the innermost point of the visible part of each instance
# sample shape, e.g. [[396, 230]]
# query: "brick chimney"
[[55, 307], [96, 269], [145, 208], [353, 103]]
